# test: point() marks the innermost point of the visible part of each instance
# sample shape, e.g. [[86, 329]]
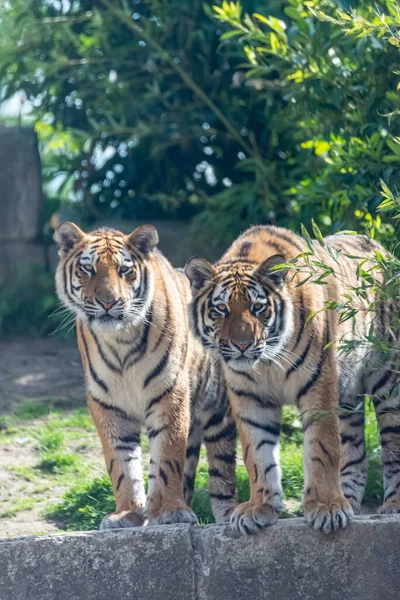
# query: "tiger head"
[[105, 277], [242, 311]]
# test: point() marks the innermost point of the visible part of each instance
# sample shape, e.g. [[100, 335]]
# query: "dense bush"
[[178, 108]]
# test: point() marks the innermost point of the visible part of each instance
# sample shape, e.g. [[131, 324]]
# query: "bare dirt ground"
[[39, 369]]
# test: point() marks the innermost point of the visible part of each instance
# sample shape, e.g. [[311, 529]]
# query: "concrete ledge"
[[287, 561]]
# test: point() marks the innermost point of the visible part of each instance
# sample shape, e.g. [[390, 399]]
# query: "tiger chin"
[[144, 369], [255, 317]]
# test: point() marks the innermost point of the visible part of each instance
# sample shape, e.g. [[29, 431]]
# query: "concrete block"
[[136, 564], [289, 561]]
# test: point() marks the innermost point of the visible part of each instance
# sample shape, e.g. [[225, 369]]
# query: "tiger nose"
[[106, 305], [242, 345]]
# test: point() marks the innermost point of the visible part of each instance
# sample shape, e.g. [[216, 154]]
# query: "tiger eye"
[[124, 270], [88, 268], [221, 307]]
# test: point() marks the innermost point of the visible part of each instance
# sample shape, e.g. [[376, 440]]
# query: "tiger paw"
[[328, 517], [390, 507], [223, 512], [122, 520], [248, 519], [171, 514]]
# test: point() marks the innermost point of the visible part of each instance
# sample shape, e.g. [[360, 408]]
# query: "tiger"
[[145, 369], [279, 346]]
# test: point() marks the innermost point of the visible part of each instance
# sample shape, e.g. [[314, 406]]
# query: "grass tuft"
[[84, 505]]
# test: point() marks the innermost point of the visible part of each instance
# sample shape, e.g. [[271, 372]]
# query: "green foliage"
[[84, 505], [149, 108], [334, 73]]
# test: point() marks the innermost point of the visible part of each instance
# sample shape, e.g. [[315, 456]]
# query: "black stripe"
[[120, 479], [104, 358], [243, 374], [382, 381], [351, 463], [121, 413], [178, 468], [192, 451], [215, 473], [141, 347], [93, 373], [317, 459], [264, 402], [163, 476], [158, 398], [313, 379], [111, 466], [301, 358], [229, 432], [228, 458], [161, 365], [347, 438], [167, 321], [127, 439], [171, 466], [358, 423], [266, 443], [269, 468], [214, 420], [189, 482], [391, 429], [221, 496], [245, 249], [272, 429], [255, 473], [302, 320], [153, 433], [324, 450]]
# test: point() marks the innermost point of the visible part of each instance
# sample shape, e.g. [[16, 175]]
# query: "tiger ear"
[[67, 235], [266, 270], [199, 271], [145, 238]]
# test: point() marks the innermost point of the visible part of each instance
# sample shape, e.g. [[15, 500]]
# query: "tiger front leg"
[[325, 507], [120, 438], [387, 408], [220, 442], [259, 434], [167, 425]]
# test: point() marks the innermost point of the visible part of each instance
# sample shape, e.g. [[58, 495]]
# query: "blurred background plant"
[[223, 115]]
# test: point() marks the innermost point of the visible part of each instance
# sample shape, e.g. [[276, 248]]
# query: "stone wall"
[[21, 201], [286, 562]]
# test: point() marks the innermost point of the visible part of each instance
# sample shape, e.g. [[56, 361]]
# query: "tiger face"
[[103, 276], [239, 310]]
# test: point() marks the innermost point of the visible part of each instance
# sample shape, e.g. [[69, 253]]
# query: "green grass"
[[18, 506], [66, 443], [84, 505]]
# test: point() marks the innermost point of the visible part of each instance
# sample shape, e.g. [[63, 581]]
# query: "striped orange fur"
[[256, 318], [143, 367]]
